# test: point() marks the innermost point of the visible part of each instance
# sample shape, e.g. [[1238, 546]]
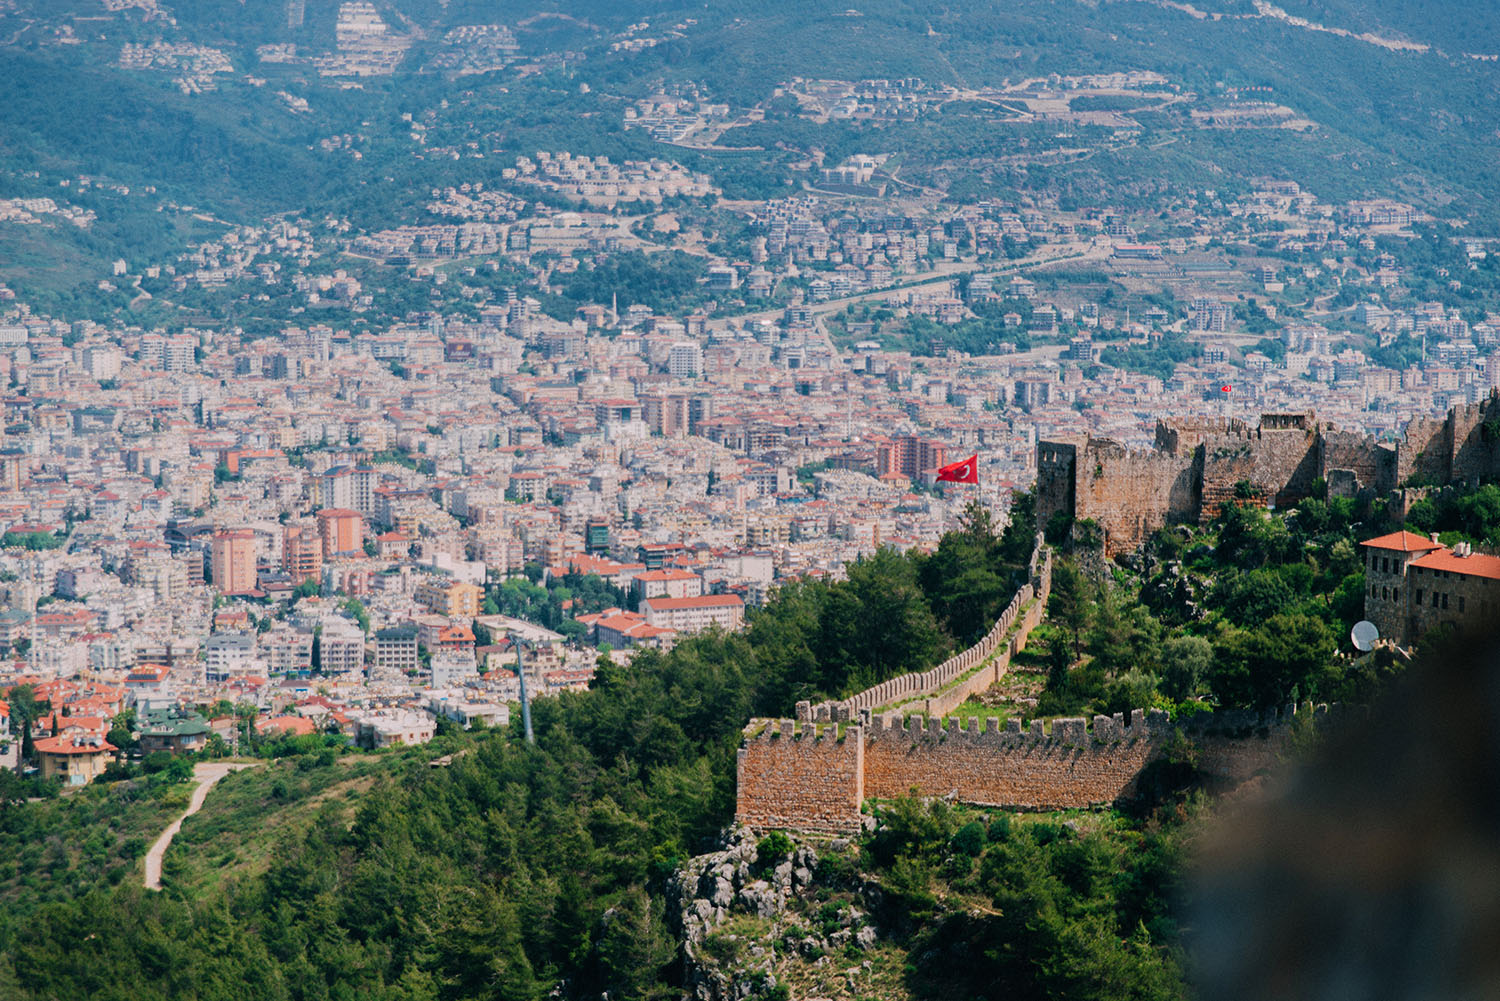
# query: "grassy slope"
[[249, 813], [61, 848]]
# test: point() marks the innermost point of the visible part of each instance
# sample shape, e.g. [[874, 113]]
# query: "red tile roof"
[[651, 576], [1477, 565], [1404, 542], [73, 745], [703, 601]]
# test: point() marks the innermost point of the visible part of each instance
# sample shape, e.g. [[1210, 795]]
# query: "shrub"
[[969, 839], [773, 848]]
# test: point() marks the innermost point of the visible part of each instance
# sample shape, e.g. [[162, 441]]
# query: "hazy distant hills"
[[230, 105]]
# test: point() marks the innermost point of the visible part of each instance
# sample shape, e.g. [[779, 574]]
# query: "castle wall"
[[805, 778], [1476, 451], [988, 659], [1199, 460], [1183, 435], [945, 702], [1006, 768], [1133, 494], [1373, 466], [1056, 463], [1281, 463], [1425, 450], [813, 781]]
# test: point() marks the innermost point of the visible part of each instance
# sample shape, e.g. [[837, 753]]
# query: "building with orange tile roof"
[[1415, 584], [74, 757], [691, 615]]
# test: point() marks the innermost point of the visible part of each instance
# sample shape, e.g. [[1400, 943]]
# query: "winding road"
[[205, 774]]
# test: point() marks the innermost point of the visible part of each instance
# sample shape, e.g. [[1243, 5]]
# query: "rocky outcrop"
[[743, 918]]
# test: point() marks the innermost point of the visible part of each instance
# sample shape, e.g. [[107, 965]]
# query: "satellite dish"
[[1364, 634]]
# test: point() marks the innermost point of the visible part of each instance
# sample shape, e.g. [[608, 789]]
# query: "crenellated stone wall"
[[1352, 468], [1132, 494], [945, 687], [808, 778], [1198, 463]]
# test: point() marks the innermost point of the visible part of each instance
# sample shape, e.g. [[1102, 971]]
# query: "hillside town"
[[365, 528], [358, 478]]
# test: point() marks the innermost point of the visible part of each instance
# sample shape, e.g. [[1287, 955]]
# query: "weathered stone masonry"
[[809, 778], [943, 688], [1198, 463]]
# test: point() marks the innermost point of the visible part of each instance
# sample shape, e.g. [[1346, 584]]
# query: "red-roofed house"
[[286, 726], [75, 758], [53, 724], [691, 615], [668, 582], [1415, 584], [624, 629]]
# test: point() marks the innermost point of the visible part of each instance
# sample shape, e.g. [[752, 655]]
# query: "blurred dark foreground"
[[1372, 870]]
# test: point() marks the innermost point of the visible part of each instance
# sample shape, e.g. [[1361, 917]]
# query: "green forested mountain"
[[1384, 116], [1403, 113]]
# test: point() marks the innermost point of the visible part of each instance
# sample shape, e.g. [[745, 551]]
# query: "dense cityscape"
[[409, 375]]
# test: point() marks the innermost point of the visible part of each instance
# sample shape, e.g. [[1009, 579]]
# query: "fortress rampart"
[[1198, 464], [943, 688], [814, 776]]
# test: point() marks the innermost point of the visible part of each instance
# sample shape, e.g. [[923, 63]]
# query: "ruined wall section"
[[1370, 467], [1183, 435], [1425, 450], [1475, 432], [943, 688], [1070, 767], [1280, 462], [1132, 494], [810, 779], [1056, 471], [1197, 463]]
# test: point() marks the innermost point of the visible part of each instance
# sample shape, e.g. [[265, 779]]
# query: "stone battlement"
[[991, 651], [815, 776], [1074, 732], [1198, 463]]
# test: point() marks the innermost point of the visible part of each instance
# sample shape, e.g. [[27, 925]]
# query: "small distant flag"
[[966, 471], [1223, 389]]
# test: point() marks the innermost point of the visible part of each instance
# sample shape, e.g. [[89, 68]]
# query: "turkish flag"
[[1223, 389], [966, 471]]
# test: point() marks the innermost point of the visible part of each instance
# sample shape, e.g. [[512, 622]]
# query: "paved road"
[[206, 774], [1054, 254]]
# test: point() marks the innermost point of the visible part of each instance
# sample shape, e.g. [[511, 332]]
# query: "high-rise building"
[[665, 413], [12, 469], [596, 535], [341, 531], [396, 650], [233, 555], [301, 551], [685, 360], [909, 456], [350, 487]]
